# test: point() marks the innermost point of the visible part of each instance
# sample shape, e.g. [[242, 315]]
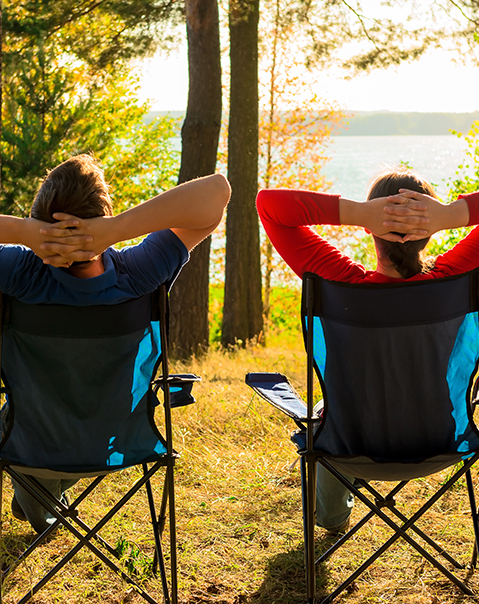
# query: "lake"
[[357, 159]]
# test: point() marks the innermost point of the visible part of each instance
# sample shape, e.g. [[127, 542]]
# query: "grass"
[[239, 511]]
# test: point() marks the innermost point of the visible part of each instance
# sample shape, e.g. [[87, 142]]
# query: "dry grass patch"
[[239, 511]]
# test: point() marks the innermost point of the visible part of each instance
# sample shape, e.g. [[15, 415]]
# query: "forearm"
[[352, 213], [14, 230], [289, 208], [454, 215], [197, 205], [472, 200]]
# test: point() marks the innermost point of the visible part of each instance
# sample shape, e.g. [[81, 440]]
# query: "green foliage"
[[38, 116], [56, 105], [284, 323], [139, 158], [216, 293], [466, 183], [99, 33], [445, 240], [132, 557], [285, 315], [462, 183], [355, 243]]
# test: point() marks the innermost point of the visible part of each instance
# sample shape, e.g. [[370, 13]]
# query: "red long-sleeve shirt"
[[287, 214]]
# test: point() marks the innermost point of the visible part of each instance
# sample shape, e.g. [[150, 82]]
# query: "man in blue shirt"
[[70, 261], [76, 248]]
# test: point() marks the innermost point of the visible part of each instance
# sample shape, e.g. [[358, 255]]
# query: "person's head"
[[406, 257], [77, 186]]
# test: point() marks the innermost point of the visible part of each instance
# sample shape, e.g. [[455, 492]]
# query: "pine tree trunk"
[[1, 89], [242, 314], [189, 328]]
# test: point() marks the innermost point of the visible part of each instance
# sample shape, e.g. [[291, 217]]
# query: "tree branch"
[[76, 15], [363, 26], [474, 21]]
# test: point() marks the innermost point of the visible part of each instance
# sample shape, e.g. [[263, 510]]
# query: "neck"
[[388, 270], [94, 268]]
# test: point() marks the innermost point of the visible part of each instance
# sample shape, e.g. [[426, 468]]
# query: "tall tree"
[[242, 312], [1, 89], [200, 134]]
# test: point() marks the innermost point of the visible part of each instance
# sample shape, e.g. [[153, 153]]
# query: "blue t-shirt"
[[129, 273]]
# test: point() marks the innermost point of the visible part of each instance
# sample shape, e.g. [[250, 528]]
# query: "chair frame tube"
[[399, 531], [169, 446], [310, 456], [84, 540]]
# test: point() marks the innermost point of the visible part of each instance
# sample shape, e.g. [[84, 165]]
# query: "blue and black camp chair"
[[397, 366], [82, 399]]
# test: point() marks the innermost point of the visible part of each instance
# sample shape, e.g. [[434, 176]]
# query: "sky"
[[432, 84]]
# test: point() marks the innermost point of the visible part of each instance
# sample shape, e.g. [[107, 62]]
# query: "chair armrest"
[[276, 389], [180, 385]]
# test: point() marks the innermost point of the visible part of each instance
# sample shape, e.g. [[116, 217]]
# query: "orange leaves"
[[294, 122]]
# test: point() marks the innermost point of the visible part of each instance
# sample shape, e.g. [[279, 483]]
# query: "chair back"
[[79, 383], [396, 363]]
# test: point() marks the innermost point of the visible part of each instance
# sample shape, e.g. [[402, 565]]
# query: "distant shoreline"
[[394, 123], [387, 123]]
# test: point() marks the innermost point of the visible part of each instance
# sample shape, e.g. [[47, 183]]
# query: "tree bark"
[[1, 88], [242, 313], [189, 327]]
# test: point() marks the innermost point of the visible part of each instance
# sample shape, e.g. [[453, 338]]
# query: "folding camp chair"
[[82, 402], [397, 365]]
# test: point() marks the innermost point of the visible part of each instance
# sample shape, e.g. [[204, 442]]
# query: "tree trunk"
[[1, 87], [242, 314], [189, 332]]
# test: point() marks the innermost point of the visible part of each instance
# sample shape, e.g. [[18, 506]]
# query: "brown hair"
[[405, 257], [77, 186]]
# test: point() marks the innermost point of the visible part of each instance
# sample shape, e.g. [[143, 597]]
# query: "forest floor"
[[238, 501]]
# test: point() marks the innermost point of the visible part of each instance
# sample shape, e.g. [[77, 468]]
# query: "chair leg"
[[310, 522], [304, 505], [158, 557], [475, 520], [174, 560], [1, 532], [168, 498], [1, 503], [162, 516], [389, 502]]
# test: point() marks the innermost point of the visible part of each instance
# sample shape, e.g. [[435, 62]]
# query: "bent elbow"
[[224, 189], [221, 196]]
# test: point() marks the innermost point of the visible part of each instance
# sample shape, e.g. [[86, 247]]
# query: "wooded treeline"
[[67, 88]]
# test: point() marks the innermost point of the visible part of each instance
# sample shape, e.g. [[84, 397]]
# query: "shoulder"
[[21, 271], [18, 257], [160, 244], [156, 260]]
